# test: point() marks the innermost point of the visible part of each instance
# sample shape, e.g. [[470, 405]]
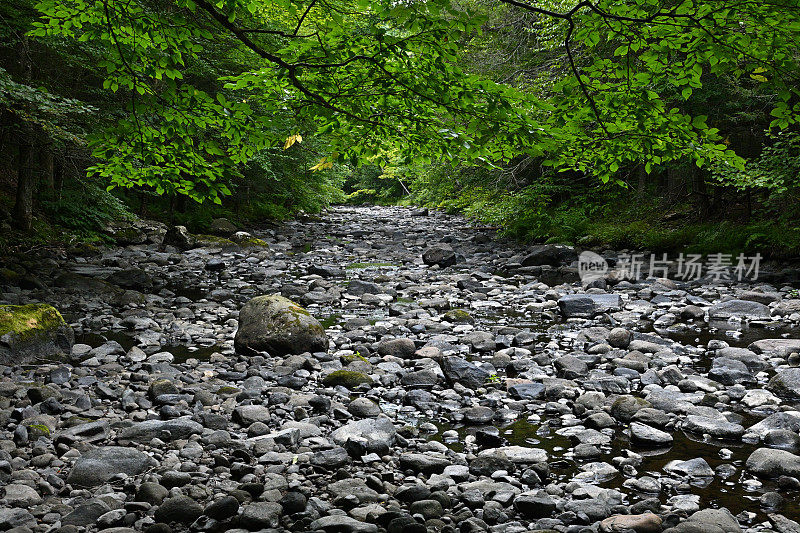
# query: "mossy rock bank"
[[31, 332], [279, 326]]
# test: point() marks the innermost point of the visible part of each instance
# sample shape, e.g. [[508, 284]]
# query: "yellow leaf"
[[758, 77], [322, 165], [291, 139]]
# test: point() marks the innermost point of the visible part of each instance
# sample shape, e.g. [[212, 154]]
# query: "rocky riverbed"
[[464, 387]]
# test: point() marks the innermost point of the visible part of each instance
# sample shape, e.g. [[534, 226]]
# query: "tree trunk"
[[48, 168], [699, 188], [58, 175], [23, 208], [641, 188]]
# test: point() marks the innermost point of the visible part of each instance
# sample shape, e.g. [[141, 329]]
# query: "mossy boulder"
[[246, 240], [346, 378], [459, 316], [210, 241], [279, 326], [33, 331]]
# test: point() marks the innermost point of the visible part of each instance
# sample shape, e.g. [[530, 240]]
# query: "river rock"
[[771, 463], [33, 332], [738, 309], [588, 305], [708, 521], [101, 464], [550, 254], [278, 326], [459, 370], [439, 254], [786, 384], [638, 523]]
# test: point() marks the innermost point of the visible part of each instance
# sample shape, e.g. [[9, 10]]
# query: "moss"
[[205, 240], [253, 242], [458, 316], [39, 430], [330, 321], [352, 358], [28, 320], [346, 378]]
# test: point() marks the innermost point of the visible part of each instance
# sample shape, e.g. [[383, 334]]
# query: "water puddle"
[[181, 352]]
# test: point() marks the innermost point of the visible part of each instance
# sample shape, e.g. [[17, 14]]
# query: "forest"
[[645, 124], [399, 266]]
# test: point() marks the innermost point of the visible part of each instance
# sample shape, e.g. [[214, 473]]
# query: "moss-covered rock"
[[244, 239], [213, 240], [346, 378], [279, 326], [253, 242], [33, 331], [353, 358], [458, 316]]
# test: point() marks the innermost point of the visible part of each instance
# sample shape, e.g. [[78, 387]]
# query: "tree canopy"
[[371, 77]]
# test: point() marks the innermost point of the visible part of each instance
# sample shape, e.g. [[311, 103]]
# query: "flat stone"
[[175, 429], [771, 463], [518, 454], [97, 466], [342, 524], [738, 309]]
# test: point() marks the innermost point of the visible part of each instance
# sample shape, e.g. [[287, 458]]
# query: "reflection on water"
[[180, 352], [715, 492]]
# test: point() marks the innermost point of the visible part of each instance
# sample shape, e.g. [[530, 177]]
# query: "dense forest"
[[644, 124]]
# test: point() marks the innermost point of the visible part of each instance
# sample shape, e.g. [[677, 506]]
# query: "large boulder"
[[97, 466], [33, 331], [131, 278], [279, 326], [638, 523], [786, 383], [222, 227], [779, 347], [708, 521], [588, 305], [771, 463], [459, 370], [179, 237], [550, 254], [375, 431], [135, 231], [738, 309], [439, 254]]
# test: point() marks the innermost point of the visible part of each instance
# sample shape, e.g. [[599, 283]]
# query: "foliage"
[[776, 171], [370, 74], [54, 114], [85, 208]]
